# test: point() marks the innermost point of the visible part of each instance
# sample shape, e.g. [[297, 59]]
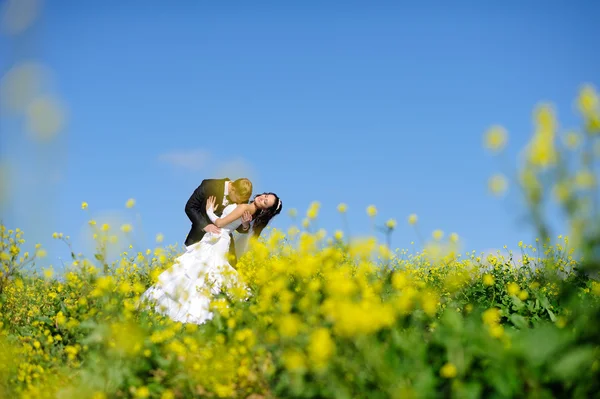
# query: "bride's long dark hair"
[[263, 216]]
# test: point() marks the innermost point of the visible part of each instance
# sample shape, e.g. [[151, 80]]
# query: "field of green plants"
[[333, 318]]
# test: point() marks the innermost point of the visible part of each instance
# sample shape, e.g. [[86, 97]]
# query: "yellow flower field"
[[327, 317]]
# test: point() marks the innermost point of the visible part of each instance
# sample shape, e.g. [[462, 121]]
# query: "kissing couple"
[[217, 208]]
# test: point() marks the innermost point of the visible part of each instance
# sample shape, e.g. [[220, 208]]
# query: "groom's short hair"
[[243, 189]]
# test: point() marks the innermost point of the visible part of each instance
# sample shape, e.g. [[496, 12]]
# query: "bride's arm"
[[234, 215]]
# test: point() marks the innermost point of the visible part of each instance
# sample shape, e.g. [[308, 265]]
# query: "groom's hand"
[[211, 228]]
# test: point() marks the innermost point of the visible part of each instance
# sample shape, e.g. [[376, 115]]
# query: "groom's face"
[[233, 195]]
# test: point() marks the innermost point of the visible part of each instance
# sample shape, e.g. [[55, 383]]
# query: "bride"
[[184, 291]]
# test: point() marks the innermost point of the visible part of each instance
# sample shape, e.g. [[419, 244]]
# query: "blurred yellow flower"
[[84, 205], [491, 316], [513, 288], [342, 208], [498, 184], [294, 360], [412, 218], [391, 224], [523, 295], [45, 117], [321, 347], [561, 191], [588, 102], [448, 370], [585, 179], [289, 325], [142, 392], [454, 238], [438, 234], [48, 273], [130, 203], [126, 228], [371, 210], [496, 138], [488, 279], [159, 238], [572, 140]]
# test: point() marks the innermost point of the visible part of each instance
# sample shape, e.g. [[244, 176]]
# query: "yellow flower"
[[41, 253], [321, 347], [523, 295], [293, 212], [84, 205], [491, 316], [561, 191], [168, 394], [105, 227], [293, 360], [496, 138], [454, 237], [448, 370], [130, 203], [588, 102], [585, 179], [159, 238], [48, 273], [391, 224], [498, 184], [339, 235], [438, 234], [544, 118], [412, 219], [488, 279], [572, 140], [496, 330], [371, 210], [142, 392], [513, 288], [430, 304], [342, 208], [126, 228], [541, 150], [289, 326]]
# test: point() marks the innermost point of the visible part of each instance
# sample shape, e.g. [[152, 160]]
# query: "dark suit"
[[195, 209]]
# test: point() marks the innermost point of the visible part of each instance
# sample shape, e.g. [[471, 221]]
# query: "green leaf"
[[517, 303], [552, 317], [573, 362], [538, 345], [519, 321]]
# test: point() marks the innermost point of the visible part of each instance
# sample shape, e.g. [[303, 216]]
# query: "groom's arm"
[[196, 204]]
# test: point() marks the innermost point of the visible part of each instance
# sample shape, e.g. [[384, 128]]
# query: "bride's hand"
[[210, 203]]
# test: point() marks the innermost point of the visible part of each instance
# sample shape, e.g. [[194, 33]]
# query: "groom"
[[226, 192]]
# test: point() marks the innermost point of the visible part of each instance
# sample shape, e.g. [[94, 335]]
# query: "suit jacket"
[[195, 209]]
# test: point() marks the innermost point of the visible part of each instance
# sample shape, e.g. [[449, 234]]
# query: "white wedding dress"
[[184, 291]]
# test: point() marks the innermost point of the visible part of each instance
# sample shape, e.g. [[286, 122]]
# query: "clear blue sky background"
[[379, 103]]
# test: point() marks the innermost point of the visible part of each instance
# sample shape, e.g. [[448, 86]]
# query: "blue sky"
[[379, 103]]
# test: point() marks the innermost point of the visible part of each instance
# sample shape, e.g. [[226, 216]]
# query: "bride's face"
[[264, 201]]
